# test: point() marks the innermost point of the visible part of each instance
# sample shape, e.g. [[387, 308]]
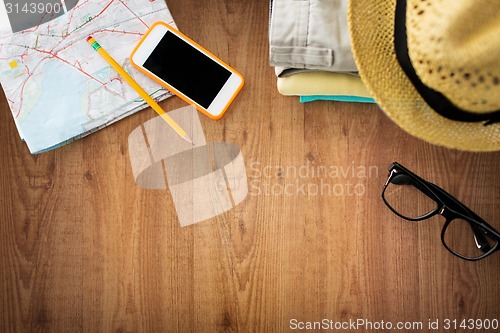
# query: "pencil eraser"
[[89, 38]]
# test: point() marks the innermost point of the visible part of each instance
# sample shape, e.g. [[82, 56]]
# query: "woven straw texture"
[[447, 57], [371, 26]]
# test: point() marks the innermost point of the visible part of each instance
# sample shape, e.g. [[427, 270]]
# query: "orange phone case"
[[178, 93]]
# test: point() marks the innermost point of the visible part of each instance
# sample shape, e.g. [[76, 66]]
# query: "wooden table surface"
[[83, 249]]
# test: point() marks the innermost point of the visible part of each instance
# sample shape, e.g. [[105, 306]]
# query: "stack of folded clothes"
[[310, 48]]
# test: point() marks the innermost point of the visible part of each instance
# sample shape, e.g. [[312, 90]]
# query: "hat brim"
[[371, 24]]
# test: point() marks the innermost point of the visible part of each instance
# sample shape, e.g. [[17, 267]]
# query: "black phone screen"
[[187, 70]]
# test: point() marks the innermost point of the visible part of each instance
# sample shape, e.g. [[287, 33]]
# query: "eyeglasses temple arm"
[[479, 233], [453, 204]]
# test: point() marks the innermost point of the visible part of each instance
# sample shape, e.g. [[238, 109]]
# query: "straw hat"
[[439, 79]]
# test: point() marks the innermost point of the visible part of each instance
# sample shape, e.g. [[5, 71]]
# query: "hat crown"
[[454, 47]]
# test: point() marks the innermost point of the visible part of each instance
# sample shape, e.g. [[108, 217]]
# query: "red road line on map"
[[68, 24], [51, 55], [124, 5], [21, 94], [54, 55], [118, 31], [79, 68], [104, 9], [28, 31]]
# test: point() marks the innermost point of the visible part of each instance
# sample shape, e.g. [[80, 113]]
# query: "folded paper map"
[[57, 87]]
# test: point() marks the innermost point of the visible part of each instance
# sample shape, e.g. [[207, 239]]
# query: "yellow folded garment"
[[322, 83]]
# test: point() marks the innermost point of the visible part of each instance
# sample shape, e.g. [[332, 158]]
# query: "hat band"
[[436, 100]]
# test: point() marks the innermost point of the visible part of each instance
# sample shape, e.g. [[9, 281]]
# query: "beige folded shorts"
[[310, 35]]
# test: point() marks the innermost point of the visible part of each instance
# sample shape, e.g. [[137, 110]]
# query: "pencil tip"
[[188, 139]]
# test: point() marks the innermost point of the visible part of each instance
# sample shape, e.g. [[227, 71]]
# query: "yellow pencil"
[[144, 95]]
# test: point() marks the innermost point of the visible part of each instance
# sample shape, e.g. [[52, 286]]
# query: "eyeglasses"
[[464, 233]]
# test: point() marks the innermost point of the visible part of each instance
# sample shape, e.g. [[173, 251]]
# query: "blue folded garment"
[[338, 98]]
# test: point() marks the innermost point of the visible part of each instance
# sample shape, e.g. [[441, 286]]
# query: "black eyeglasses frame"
[[450, 208]]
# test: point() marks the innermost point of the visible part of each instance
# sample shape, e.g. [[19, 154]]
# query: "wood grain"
[[83, 249]]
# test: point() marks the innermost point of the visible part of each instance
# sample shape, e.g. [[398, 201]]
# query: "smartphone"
[[187, 69]]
